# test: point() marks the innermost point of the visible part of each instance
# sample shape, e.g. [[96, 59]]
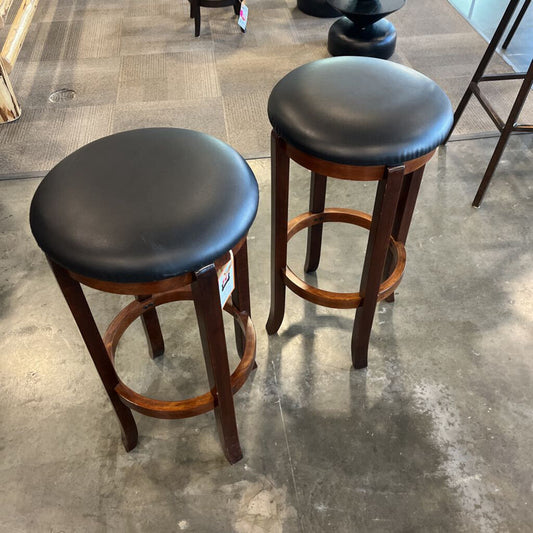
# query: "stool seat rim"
[[360, 111], [144, 205]]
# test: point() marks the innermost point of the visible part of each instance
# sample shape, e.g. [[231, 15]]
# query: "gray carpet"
[[137, 64]]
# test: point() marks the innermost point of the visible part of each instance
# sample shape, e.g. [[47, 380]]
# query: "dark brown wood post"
[[404, 215], [387, 196], [195, 14], [81, 312], [279, 214], [241, 294], [152, 328], [317, 201], [211, 325]]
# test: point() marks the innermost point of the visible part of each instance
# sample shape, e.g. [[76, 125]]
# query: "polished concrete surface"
[[436, 435]]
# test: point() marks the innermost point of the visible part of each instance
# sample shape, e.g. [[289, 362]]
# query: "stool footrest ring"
[[191, 406], [339, 300]]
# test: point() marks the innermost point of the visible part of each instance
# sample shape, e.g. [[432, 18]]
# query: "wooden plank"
[[4, 10], [9, 107], [17, 33]]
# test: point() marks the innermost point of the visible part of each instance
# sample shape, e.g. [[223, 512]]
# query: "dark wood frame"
[[201, 287], [505, 127], [195, 6], [388, 228]]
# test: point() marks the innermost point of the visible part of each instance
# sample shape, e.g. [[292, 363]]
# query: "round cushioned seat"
[[144, 205], [360, 111]]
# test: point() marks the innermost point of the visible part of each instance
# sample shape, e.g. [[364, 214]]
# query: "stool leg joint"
[[279, 222], [83, 317], [317, 201]]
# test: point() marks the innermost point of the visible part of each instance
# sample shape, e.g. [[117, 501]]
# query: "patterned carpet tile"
[[138, 64]]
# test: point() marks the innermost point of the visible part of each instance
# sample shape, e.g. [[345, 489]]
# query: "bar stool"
[[154, 213], [357, 119]]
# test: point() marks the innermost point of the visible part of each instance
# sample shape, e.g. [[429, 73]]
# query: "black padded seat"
[[160, 214], [355, 119], [144, 205], [360, 111]]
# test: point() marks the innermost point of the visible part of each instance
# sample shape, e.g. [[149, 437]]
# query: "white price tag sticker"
[[226, 281], [243, 16]]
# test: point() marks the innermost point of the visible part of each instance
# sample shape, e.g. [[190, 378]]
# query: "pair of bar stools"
[[157, 213]]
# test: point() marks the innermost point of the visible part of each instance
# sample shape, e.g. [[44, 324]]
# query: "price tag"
[[226, 280], [243, 16]]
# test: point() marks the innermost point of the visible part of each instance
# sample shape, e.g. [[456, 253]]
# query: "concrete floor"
[[436, 435]]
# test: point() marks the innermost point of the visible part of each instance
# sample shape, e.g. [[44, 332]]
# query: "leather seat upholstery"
[[144, 205], [360, 111]]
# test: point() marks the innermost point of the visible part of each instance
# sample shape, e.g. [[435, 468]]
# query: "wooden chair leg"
[[152, 329], [279, 214], [195, 13], [387, 196], [404, 215], [81, 312], [211, 325], [241, 295], [317, 201]]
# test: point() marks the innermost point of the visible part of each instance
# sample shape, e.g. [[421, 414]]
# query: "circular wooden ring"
[[191, 406], [340, 300]]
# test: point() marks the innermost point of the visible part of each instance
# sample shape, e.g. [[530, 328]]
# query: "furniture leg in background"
[[510, 125], [9, 107]]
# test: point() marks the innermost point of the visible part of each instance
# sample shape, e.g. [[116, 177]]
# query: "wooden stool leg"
[[279, 214], [404, 215], [81, 312], [317, 201], [387, 196], [241, 295], [195, 13], [152, 328], [211, 325]]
